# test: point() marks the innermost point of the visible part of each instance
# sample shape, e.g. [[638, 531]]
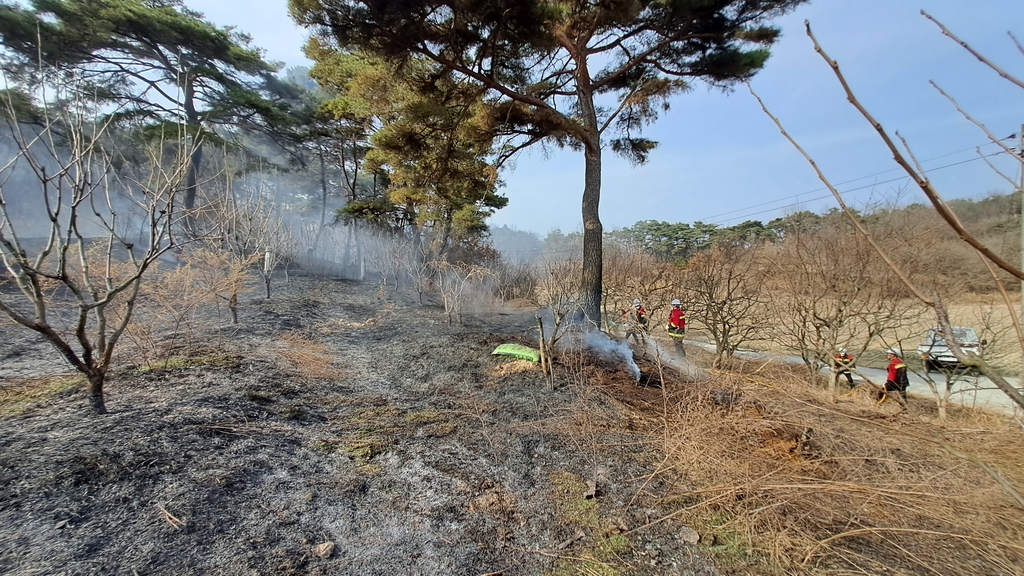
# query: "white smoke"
[[676, 361], [612, 350]]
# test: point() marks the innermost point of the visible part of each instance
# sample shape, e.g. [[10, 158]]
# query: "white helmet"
[[636, 302], [893, 351], [842, 350], [676, 302]]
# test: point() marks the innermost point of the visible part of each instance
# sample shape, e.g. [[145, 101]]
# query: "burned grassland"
[[341, 430]]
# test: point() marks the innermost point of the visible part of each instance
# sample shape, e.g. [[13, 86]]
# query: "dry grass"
[[306, 357], [19, 395], [778, 480]]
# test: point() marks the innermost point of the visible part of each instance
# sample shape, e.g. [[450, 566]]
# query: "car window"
[[962, 335], [965, 335]]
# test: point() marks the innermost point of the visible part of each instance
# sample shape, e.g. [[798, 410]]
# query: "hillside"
[[342, 430]]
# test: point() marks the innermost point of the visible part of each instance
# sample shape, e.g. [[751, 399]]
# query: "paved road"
[[973, 391]]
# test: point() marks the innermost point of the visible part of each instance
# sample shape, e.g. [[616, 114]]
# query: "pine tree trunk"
[[196, 158], [192, 178], [593, 259]]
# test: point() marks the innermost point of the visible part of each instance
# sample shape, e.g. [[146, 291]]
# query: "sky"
[[721, 160]]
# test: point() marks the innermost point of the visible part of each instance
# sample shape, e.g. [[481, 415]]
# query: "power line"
[[710, 220], [795, 196], [829, 195]]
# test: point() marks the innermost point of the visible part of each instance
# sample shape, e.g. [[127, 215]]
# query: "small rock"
[[688, 535], [323, 550], [591, 490], [61, 524]]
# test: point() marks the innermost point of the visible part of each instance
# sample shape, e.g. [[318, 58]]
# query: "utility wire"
[[816, 198], [842, 183], [746, 216]]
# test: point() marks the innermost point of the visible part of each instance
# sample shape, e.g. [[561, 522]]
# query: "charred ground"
[[331, 415]]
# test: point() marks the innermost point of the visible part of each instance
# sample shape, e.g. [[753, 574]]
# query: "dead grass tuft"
[[510, 368], [340, 326], [306, 357], [17, 396]]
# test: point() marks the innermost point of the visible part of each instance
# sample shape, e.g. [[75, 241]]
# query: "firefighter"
[[637, 322], [677, 327], [844, 365], [897, 380], [640, 314], [677, 319]]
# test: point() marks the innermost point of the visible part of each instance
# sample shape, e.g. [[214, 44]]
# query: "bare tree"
[[725, 293], [78, 286], [457, 282], [248, 224], [515, 279], [387, 255], [631, 272], [831, 290], [558, 289], [966, 378]]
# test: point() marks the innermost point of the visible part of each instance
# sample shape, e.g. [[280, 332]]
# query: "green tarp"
[[518, 351]]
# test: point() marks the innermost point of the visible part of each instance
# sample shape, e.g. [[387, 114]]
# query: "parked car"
[[936, 355]]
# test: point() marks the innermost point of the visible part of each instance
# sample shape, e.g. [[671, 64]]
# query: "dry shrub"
[[306, 357], [779, 480], [167, 319], [514, 280]]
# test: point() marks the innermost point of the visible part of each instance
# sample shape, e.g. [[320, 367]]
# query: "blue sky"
[[722, 160]]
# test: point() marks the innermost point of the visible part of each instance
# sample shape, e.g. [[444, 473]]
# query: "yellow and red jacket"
[[677, 319], [898, 374]]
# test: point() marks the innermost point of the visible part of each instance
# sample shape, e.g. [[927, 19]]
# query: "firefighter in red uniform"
[[677, 319], [844, 364], [897, 380], [638, 325], [677, 326]]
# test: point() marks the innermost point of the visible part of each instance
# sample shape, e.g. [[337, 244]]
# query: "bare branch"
[[1009, 179], [853, 216], [975, 53], [1016, 43], [978, 123], [919, 177]]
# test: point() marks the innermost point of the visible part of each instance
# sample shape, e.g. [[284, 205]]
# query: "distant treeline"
[[993, 218]]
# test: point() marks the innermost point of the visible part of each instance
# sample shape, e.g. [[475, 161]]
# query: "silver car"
[[936, 355]]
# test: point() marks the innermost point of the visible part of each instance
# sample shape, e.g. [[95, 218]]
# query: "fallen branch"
[[170, 519]]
